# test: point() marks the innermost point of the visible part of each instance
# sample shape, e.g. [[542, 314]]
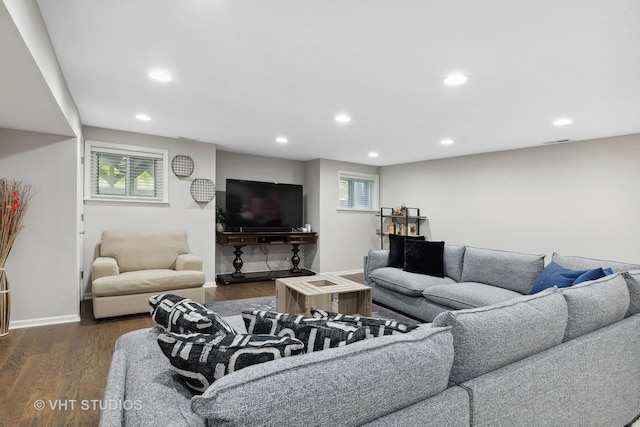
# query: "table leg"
[[237, 262]]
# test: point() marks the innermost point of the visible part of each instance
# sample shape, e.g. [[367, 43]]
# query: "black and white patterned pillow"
[[315, 334], [182, 315], [200, 359], [375, 327]]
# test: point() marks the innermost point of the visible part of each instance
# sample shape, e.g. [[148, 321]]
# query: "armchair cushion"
[[137, 282], [144, 250]]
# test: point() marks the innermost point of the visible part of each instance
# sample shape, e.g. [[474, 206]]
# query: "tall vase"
[[5, 303]]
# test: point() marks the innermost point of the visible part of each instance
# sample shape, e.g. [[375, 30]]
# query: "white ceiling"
[[246, 71]]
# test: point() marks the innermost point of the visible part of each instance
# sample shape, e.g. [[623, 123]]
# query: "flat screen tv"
[[263, 206]]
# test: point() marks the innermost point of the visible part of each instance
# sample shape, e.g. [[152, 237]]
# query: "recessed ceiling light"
[[562, 121], [455, 79], [282, 140], [160, 75], [342, 118], [373, 154], [446, 141], [143, 117]]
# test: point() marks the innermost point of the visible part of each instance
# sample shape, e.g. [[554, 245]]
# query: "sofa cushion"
[[490, 337], [453, 257], [201, 359], [139, 282], [372, 378], [596, 304], [182, 315], [633, 283], [397, 249], [424, 257], [375, 327], [411, 284], [556, 275], [315, 334], [582, 263], [510, 270], [144, 250], [467, 295], [141, 375]]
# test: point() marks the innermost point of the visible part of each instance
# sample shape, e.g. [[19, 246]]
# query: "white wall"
[[183, 213], [259, 168], [344, 237], [42, 268], [577, 198], [28, 20]]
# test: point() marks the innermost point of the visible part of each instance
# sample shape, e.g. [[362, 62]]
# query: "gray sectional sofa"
[[564, 357], [474, 277]]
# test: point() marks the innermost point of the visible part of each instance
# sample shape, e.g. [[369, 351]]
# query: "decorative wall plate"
[[203, 190], [182, 165]]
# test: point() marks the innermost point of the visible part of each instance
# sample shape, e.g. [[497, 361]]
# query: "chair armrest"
[[188, 262], [374, 260], [104, 266]]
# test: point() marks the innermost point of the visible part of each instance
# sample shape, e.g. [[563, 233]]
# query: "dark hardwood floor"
[[64, 367]]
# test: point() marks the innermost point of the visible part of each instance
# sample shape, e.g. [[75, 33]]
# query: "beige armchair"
[[131, 266]]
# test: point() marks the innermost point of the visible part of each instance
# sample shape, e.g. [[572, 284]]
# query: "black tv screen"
[[263, 206]]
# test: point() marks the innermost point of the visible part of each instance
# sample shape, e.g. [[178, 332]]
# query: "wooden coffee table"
[[298, 295]]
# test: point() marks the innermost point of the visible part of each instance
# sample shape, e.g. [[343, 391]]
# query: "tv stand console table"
[[238, 239]]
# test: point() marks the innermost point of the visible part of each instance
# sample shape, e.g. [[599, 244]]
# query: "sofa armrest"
[[374, 260], [113, 415], [104, 266], [188, 262]]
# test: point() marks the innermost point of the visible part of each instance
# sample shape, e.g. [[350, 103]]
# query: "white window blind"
[[125, 173], [357, 191]]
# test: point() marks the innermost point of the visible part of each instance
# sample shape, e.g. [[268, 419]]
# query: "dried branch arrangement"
[[14, 201]]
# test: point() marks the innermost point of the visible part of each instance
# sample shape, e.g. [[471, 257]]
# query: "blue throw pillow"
[[596, 273], [554, 275]]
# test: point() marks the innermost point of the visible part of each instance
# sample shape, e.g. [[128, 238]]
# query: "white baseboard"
[[343, 273], [43, 321]]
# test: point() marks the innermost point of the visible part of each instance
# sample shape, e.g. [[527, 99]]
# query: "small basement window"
[[124, 173], [357, 191]]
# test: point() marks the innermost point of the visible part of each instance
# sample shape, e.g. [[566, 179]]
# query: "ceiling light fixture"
[[563, 121], [342, 118], [282, 140], [143, 117], [160, 75], [455, 79], [446, 141], [373, 154]]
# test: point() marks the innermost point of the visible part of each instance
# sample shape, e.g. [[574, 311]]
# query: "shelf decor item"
[[403, 221], [14, 200], [203, 190], [221, 218], [182, 165]]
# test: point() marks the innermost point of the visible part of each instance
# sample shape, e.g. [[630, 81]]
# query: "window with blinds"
[[125, 173], [357, 191]]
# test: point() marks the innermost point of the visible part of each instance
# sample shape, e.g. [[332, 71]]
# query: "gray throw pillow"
[[633, 283], [594, 305], [488, 338]]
